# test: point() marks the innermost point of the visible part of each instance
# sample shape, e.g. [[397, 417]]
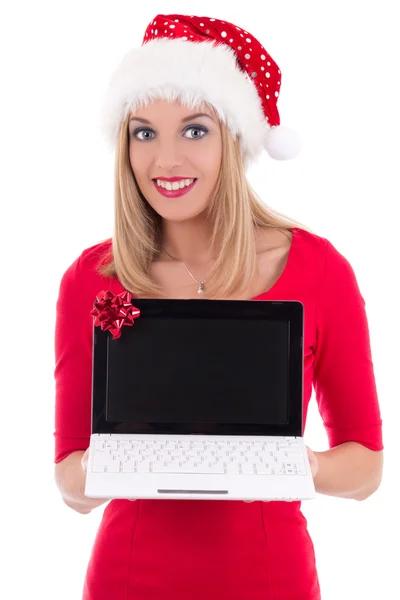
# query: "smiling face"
[[167, 141]]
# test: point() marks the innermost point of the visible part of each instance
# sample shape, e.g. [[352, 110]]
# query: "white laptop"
[[200, 399]]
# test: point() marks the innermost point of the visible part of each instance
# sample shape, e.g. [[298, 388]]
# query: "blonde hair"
[[234, 209]]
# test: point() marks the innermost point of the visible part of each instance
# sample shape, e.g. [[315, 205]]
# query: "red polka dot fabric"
[[252, 58]]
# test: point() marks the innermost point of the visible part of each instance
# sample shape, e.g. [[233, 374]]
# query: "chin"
[[177, 213]]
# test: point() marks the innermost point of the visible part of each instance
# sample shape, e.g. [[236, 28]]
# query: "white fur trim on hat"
[[191, 72]]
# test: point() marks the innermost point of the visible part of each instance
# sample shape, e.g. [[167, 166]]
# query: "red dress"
[[214, 549]]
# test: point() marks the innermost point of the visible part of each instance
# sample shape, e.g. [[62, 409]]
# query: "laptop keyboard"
[[280, 456]]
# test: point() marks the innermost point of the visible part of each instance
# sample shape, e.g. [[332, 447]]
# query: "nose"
[[169, 154]]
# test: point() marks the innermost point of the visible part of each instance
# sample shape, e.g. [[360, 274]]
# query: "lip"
[[174, 193], [172, 179]]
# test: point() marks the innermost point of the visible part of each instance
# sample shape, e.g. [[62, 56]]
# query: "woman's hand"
[[84, 459], [312, 459]]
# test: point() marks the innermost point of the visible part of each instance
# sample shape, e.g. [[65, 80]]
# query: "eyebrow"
[[184, 120]]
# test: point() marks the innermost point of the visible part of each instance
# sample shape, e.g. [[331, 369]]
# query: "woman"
[[211, 238]]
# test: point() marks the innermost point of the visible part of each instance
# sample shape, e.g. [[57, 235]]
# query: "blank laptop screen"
[[207, 370]]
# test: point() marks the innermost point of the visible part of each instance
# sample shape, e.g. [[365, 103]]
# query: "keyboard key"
[[98, 469], [128, 467], [231, 468], [247, 468], [113, 467], [201, 468], [143, 466], [102, 458], [263, 469], [301, 471]]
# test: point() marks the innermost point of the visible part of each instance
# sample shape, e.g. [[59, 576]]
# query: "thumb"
[[84, 460]]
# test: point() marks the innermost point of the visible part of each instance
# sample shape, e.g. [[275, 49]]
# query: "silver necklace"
[[200, 284]]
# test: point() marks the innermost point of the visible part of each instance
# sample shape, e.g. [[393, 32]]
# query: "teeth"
[[176, 185]]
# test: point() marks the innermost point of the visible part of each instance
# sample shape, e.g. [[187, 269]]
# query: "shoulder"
[[334, 273], [82, 274], [319, 251], [311, 243], [94, 256]]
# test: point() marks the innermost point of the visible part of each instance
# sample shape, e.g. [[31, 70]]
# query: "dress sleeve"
[[344, 380], [73, 366]]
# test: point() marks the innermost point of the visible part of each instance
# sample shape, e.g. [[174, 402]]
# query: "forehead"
[[172, 110]]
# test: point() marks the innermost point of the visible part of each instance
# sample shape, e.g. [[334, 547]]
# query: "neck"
[[188, 241]]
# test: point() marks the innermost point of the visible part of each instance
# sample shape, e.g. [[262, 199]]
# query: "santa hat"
[[195, 59]]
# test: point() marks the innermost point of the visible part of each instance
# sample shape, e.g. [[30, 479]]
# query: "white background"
[[339, 64]]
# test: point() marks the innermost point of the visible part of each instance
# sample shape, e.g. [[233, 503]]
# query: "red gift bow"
[[112, 311]]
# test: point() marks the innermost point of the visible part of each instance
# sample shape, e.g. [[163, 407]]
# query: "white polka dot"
[[238, 28], [166, 23], [241, 35], [231, 40], [247, 56], [155, 23], [269, 64], [267, 74], [276, 94], [201, 24], [248, 40], [239, 47], [184, 38], [152, 31], [223, 34], [172, 26], [165, 31], [267, 97], [212, 19], [176, 20], [191, 36], [262, 69], [279, 83], [261, 84], [279, 72], [262, 57], [156, 31]]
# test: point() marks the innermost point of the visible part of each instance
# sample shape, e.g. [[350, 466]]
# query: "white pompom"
[[282, 143]]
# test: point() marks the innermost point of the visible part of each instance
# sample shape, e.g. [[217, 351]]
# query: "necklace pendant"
[[200, 289]]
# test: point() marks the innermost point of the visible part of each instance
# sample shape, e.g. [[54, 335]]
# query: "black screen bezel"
[[290, 311]]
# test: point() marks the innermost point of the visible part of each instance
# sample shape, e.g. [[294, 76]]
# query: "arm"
[[349, 471], [73, 379], [345, 386], [70, 479]]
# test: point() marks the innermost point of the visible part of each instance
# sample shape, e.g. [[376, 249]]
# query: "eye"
[[197, 128], [135, 134]]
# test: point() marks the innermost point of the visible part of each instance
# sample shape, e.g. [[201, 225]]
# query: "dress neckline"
[[281, 279], [286, 271]]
